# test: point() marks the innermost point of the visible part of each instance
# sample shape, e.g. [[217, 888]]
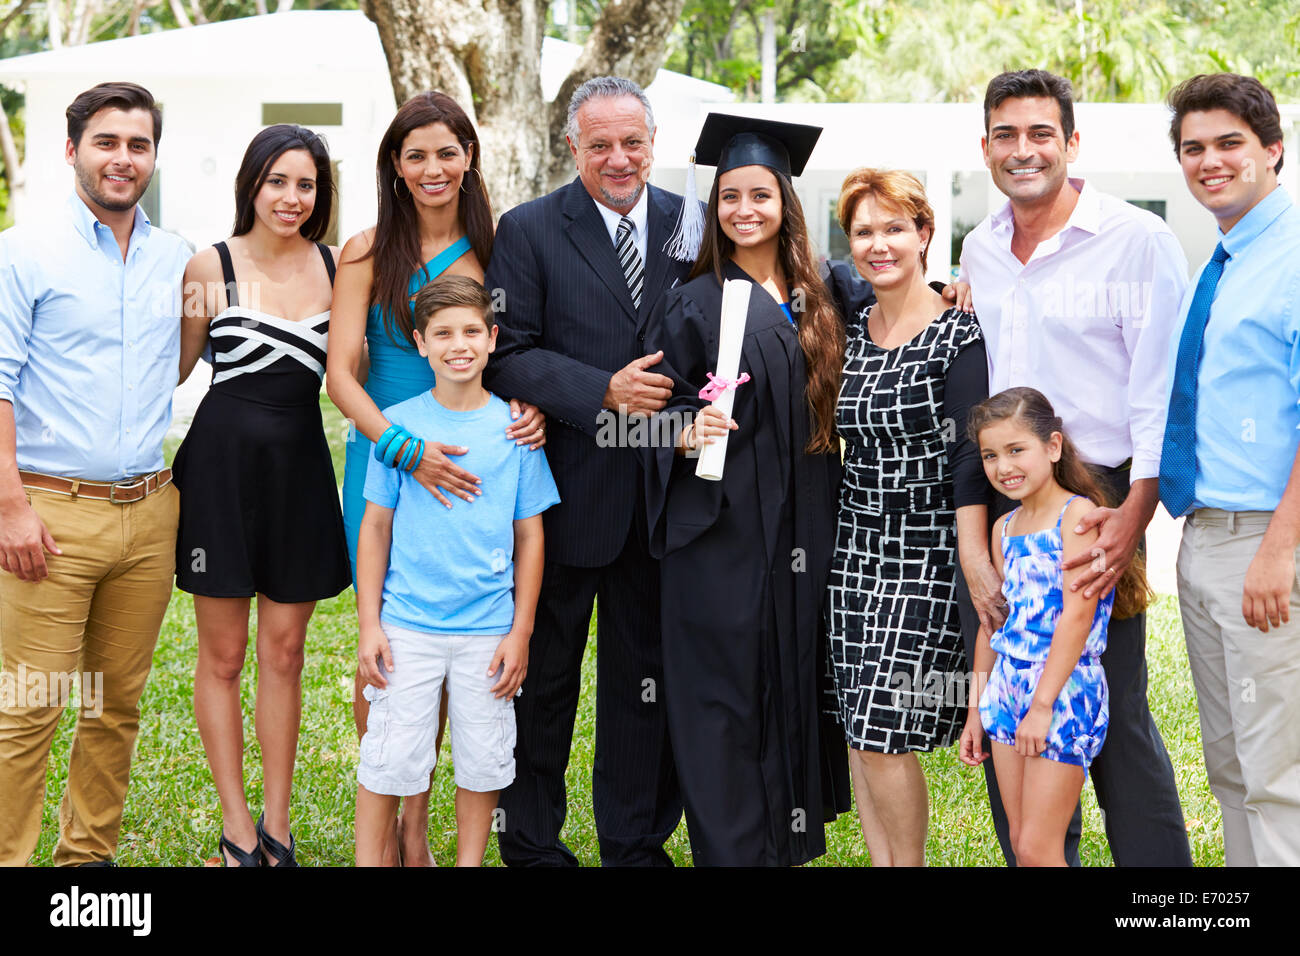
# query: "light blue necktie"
[[1178, 455]]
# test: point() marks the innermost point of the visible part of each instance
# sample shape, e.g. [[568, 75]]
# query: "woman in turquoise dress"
[[434, 218]]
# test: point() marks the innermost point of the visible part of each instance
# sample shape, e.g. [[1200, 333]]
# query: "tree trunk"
[[54, 23], [133, 24], [486, 54], [260, 7], [768, 58], [12, 15], [83, 15], [283, 6], [178, 11], [14, 176], [13, 165], [628, 40], [487, 57], [75, 16]]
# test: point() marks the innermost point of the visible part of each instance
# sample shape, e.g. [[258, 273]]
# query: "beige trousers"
[[97, 615], [1247, 689]]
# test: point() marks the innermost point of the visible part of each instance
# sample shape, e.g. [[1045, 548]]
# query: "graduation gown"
[[744, 565]]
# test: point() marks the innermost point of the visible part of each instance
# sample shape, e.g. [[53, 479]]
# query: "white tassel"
[[684, 243]]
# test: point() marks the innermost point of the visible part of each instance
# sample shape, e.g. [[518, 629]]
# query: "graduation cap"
[[729, 142]]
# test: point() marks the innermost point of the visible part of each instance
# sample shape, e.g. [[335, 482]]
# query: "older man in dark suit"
[[580, 271]]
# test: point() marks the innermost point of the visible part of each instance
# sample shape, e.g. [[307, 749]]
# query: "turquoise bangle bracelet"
[[395, 447], [419, 454], [382, 445], [404, 463]]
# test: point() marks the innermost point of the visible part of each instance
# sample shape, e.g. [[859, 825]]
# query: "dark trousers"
[[634, 786], [1133, 776]]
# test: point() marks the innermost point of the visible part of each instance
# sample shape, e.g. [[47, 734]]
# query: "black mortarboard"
[[728, 142]]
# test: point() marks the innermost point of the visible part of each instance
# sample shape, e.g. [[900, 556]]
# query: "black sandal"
[[283, 855], [241, 856]]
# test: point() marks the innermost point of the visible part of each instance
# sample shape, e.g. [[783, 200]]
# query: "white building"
[[221, 82]]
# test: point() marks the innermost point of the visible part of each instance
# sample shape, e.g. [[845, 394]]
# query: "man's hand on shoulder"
[[634, 391], [528, 425]]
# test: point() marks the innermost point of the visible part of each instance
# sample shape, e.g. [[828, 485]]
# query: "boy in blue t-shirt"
[[446, 594]]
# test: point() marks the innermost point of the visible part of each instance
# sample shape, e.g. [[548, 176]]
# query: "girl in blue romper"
[[1044, 702]]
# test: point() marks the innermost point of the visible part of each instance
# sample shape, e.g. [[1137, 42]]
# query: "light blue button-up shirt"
[[89, 344], [1248, 385]]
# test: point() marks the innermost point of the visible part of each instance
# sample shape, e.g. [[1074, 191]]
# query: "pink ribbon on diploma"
[[717, 385]]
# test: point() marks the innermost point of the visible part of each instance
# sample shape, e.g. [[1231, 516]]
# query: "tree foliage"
[[946, 50], [827, 50], [720, 41]]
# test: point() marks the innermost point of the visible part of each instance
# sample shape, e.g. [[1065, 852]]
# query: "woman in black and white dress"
[[913, 368], [259, 503]]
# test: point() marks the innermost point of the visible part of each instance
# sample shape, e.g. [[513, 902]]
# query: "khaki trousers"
[[1247, 689], [97, 614]]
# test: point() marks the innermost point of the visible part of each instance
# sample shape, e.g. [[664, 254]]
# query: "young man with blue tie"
[[1229, 463]]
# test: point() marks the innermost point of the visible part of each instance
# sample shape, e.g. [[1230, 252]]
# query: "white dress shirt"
[[1086, 321], [639, 216]]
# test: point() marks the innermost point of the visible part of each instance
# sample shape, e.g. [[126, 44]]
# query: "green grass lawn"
[[172, 816]]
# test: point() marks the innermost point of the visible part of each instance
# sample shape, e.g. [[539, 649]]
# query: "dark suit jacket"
[[567, 324]]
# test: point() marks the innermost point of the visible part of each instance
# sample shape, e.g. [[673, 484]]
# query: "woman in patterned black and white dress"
[[913, 368], [259, 502]]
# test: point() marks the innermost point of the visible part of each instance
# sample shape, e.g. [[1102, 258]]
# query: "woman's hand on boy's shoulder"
[[511, 659]]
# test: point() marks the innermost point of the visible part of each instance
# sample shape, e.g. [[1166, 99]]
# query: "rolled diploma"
[[731, 333]]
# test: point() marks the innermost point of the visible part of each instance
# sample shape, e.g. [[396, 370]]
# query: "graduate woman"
[[745, 559]]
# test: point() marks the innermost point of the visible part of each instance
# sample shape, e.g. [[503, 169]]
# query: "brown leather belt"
[[118, 492]]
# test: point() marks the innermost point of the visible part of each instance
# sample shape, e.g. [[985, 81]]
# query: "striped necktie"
[[629, 259], [1178, 455]]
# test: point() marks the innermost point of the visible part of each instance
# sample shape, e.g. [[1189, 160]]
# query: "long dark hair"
[[396, 249], [268, 146], [1030, 408], [821, 333]]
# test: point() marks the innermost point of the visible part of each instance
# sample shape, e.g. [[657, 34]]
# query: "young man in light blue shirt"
[[445, 598], [89, 356], [1230, 464]]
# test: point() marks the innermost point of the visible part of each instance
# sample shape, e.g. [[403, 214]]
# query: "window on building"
[[149, 202], [837, 244], [1156, 206], [303, 114]]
